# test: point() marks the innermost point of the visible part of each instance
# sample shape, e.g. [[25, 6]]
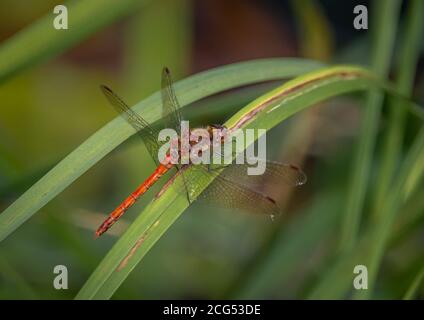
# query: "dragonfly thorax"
[[198, 141]]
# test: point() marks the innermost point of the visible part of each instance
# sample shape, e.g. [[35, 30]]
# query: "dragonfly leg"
[[210, 169], [185, 184]]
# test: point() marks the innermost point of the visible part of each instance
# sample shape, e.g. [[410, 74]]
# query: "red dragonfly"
[[231, 187]]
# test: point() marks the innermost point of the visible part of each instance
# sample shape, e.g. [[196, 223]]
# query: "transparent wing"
[[171, 114], [142, 127], [171, 107], [234, 188], [275, 173], [232, 194]]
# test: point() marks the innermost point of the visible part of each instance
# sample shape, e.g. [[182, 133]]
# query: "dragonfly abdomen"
[[132, 198]]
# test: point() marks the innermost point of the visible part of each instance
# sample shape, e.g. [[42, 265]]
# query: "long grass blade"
[[117, 131], [415, 286], [384, 32], [264, 112], [382, 230], [406, 66]]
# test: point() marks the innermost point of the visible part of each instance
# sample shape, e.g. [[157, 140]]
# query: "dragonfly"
[[231, 186]]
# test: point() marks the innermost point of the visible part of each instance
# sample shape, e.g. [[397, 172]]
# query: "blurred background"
[[48, 110]]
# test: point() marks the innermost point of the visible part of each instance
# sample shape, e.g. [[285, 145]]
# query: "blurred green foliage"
[[51, 108]]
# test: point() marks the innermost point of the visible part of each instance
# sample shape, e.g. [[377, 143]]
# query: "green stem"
[[386, 16], [381, 231], [338, 278], [410, 293], [406, 67]]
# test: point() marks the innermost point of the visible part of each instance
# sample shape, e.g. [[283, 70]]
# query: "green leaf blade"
[[117, 131], [158, 216]]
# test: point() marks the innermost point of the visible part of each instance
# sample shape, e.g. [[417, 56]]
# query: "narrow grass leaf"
[[406, 66], [384, 32], [117, 131], [264, 112], [415, 286]]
